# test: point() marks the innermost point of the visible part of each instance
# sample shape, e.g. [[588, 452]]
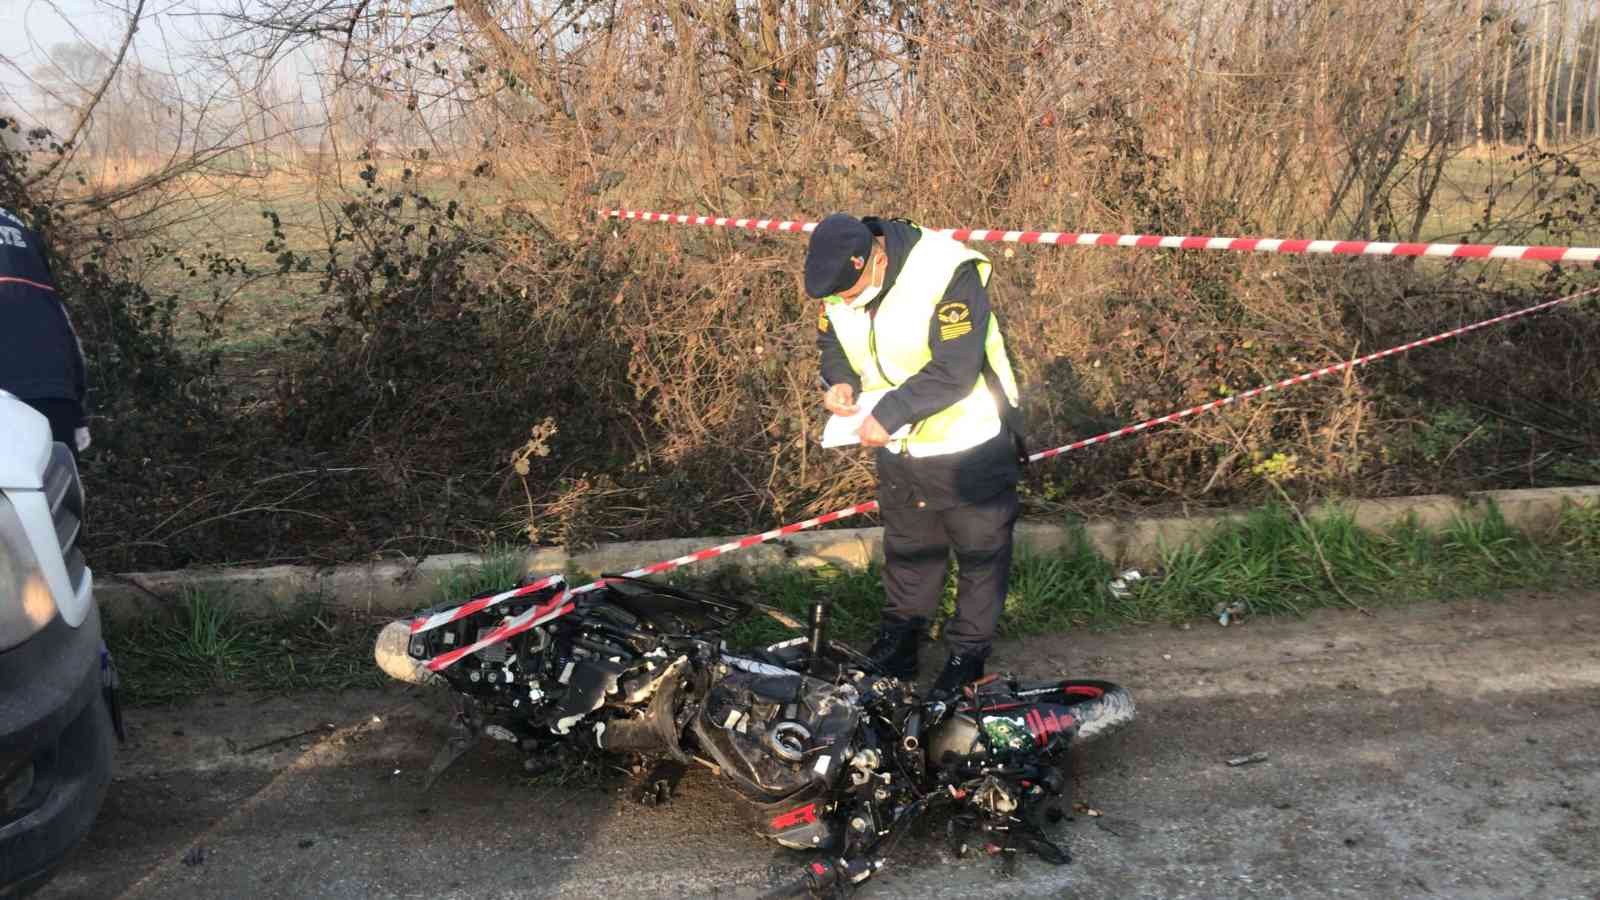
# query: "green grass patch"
[[206, 644], [1580, 539], [856, 597], [1270, 560], [500, 569], [1056, 591], [1276, 564]]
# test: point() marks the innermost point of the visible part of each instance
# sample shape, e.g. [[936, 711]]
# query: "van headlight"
[[26, 603]]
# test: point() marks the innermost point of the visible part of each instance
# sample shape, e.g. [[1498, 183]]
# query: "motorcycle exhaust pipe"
[[912, 742]]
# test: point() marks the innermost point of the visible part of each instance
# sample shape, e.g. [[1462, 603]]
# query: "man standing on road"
[[906, 312], [41, 361]]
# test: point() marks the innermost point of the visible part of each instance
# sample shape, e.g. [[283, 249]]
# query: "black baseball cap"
[[840, 246]]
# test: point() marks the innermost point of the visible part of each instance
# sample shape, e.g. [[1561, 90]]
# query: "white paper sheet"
[[842, 431]]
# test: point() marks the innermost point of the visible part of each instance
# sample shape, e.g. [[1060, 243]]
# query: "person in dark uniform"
[[41, 360], [906, 323]]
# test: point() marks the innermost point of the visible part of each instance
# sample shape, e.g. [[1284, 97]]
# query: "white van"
[[57, 686]]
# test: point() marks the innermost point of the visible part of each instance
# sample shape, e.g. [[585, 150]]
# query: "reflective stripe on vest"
[[890, 346]]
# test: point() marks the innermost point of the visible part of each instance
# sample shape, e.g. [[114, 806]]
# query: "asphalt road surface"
[[1435, 751]]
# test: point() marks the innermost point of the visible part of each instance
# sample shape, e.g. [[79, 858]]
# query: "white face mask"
[[868, 294]]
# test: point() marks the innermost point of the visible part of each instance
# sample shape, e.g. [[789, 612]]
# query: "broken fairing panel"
[[645, 688], [828, 756]]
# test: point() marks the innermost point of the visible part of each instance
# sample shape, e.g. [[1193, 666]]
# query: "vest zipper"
[[872, 351], [872, 344]]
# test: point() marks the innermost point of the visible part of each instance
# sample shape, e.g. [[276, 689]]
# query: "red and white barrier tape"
[[527, 619], [1168, 242], [560, 605], [524, 622], [751, 540], [428, 623], [1308, 376]]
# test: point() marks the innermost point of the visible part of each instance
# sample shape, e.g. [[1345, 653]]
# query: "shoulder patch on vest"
[[955, 320], [951, 332], [822, 317], [953, 312]]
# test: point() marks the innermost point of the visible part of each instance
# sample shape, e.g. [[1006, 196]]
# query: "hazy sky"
[[29, 28]]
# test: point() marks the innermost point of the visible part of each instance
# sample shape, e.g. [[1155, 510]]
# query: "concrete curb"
[[393, 587]]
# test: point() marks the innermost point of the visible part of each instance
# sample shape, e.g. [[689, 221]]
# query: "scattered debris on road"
[[1227, 613], [1127, 581]]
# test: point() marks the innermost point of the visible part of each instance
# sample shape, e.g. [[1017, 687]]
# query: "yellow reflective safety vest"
[[889, 346]]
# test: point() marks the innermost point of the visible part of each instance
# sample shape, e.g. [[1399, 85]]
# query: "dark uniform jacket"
[[932, 482], [40, 358]]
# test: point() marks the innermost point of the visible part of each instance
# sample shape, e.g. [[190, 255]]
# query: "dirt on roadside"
[[1435, 750]]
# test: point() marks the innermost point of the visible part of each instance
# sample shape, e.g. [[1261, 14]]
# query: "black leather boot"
[[961, 669], [895, 650]]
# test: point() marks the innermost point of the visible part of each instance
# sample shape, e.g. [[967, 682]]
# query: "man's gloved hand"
[[81, 437], [840, 400]]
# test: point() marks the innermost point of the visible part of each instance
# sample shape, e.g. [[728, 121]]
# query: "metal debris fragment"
[[1230, 612]]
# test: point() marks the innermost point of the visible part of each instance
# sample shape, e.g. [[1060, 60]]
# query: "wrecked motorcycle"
[[828, 754]]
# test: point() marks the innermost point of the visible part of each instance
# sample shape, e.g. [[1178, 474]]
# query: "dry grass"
[[251, 308], [254, 311]]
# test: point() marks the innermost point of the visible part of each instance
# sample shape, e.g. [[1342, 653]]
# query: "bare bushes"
[[451, 332], [691, 354], [509, 364]]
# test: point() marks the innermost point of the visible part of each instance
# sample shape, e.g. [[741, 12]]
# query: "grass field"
[[1496, 180], [256, 307], [253, 312]]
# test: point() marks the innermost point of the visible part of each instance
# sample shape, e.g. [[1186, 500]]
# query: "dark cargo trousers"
[[916, 548]]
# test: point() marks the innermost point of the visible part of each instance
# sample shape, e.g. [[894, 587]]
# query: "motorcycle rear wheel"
[[1100, 707]]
